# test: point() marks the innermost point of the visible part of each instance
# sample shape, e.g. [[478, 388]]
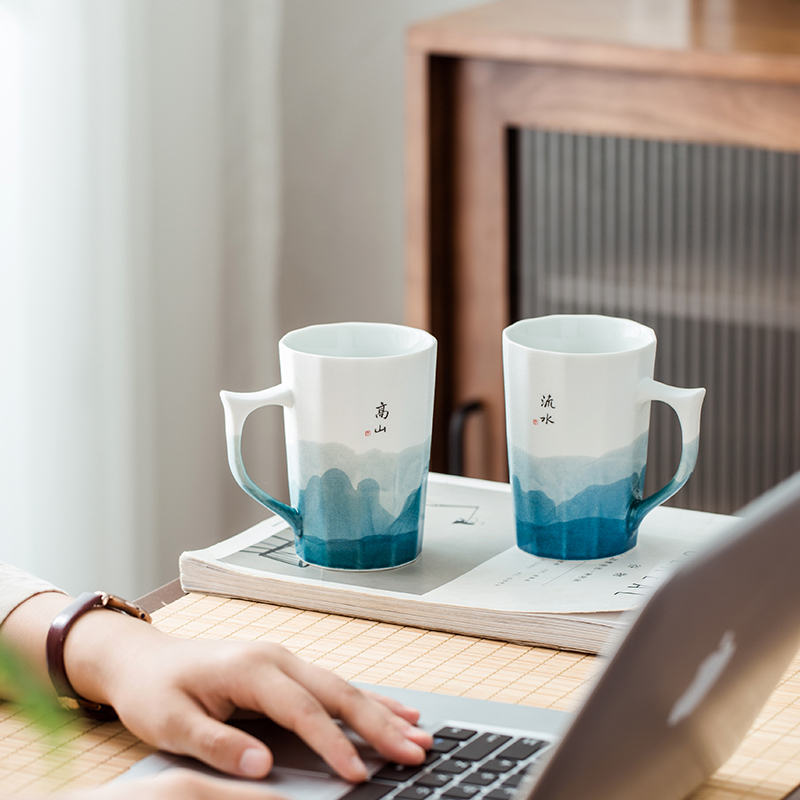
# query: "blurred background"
[[181, 182]]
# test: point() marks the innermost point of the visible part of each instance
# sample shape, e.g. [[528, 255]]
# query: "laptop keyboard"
[[463, 764]]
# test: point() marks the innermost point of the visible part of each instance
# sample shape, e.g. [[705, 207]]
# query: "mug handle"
[[238, 406], [687, 404]]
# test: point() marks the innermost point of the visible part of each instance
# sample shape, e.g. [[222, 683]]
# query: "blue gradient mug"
[[578, 390], [357, 401]]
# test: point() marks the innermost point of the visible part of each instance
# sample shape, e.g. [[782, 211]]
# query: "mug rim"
[[647, 335], [422, 342]]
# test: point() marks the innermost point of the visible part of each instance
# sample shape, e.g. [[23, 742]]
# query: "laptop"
[[672, 703]]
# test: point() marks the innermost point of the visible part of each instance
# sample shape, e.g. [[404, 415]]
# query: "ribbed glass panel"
[[700, 242]]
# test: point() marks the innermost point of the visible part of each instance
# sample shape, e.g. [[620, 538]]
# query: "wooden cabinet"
[[724, 72]]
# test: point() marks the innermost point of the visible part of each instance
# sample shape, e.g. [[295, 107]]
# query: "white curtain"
[[139, 192], [141, 198]]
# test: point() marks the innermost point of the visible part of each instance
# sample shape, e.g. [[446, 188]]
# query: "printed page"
[[469, 558], [517, 581]]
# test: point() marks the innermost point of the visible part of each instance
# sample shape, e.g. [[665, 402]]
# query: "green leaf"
[[38, 700]]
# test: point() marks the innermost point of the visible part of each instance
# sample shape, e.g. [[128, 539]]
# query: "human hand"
[[176, 694], [178, 784]]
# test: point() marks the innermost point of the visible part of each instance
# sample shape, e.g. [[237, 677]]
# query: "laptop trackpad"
[[298, 772], [291, 752]]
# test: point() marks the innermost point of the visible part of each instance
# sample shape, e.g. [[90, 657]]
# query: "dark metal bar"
[[702, 242]]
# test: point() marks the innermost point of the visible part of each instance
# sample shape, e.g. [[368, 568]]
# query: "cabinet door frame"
[[461, 114]]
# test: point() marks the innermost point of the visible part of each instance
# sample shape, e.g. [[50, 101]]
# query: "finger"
[[185, 785], [392, 735], [194, 733], [290, 704], [177, 784], [408, 713]]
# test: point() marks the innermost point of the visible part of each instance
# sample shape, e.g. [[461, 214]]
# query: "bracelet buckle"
[[57, 635]]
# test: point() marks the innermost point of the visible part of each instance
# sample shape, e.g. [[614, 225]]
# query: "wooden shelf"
[[734, 40], [713, 72]]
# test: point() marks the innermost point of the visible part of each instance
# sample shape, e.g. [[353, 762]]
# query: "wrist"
[[57, 637], [100, 648]]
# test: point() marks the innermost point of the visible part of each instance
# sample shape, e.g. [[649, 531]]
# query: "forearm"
[[92, 646], [25, 632]]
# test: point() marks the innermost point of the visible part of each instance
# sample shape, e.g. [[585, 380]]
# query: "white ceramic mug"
[[578, 390], [358, 410]]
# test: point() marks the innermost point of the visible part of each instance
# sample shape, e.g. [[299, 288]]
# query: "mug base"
[[369, 554], [576, 540], [359, 569]]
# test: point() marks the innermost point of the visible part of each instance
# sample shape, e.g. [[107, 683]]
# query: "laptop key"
[[444, 745], [398, 772], [434, 779], [522, 749], [482, 746], [371, 790], [512, 781], [462, 791], [462, 734], [453, 765], [480, 778], [499, 765], [501, 793], [415, 792]]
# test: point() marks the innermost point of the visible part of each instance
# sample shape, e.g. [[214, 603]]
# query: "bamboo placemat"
[[765, 767]]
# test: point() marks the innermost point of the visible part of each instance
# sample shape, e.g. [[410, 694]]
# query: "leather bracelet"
[[57, 635]]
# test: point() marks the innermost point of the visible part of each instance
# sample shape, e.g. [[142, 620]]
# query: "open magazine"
[[470, 578]]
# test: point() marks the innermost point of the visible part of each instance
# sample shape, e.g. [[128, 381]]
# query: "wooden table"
[[766, 765], [696, 71]]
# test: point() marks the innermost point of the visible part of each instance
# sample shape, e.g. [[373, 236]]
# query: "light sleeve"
[[16, 586]]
